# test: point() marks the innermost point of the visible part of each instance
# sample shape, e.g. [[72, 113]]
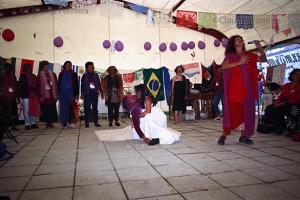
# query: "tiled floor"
[[73, 164]]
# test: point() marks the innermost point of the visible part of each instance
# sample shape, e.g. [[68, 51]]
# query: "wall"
[[84, 30]]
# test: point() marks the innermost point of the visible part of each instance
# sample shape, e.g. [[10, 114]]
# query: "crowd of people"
[[235, 85], [39, 95]]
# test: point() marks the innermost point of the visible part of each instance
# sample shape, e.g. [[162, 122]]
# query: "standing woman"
[[28, 94], [68, 90], [47, 87], [240, 88], [113, 92], [90, 88], [179, 93], [10, 94]]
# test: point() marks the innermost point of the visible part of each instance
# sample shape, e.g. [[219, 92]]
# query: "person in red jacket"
[[289, 96]]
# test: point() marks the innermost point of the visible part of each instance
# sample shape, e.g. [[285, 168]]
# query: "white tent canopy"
[[83, 33]]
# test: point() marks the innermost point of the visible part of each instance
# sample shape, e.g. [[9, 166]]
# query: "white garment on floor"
[[153, 125]]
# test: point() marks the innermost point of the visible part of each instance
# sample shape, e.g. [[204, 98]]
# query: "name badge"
[[10, 90], [47, 87], [92, 85]]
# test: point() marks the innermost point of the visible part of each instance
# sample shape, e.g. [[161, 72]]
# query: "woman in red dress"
[[240, 88]]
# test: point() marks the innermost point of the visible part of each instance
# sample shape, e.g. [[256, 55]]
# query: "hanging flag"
[[167, 82], [244, 21], [83, 3], [57, 2], [283, 22], [137, 8], [225, 22], [138, 77], [150, 17], [193, 72], [162, 17], [128, 79], [19, 64], [186, 19], [207, 20], [294, 20], [153, 79], [275, 25], [262, 22], [287, 32]]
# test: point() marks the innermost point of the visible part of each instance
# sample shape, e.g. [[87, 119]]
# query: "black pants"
[[91, 100], [113, 111], [275, 115]]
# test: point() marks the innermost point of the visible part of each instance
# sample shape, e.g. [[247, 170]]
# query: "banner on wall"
[[193, 72], [153, 79]]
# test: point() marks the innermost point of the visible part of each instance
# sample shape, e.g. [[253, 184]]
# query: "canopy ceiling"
[[216, 6]]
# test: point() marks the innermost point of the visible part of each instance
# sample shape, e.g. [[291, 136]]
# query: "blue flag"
[[139, 9]]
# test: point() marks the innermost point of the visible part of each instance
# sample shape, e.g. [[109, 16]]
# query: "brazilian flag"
[[153, 79]]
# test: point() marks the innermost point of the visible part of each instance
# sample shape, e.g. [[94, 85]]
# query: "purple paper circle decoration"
[[192, 45], [147, 46], [224, 42], [201, 45], [173, 46], [163, 47], [58, 41], [106, 44], [119, 46], [217, 43], [184, 46]]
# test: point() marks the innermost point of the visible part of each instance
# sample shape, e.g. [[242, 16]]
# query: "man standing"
[[90, 88]]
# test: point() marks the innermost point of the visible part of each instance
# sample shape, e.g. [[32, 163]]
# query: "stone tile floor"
[[73, 164]]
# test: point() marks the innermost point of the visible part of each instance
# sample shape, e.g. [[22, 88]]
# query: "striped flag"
[[19, 63]]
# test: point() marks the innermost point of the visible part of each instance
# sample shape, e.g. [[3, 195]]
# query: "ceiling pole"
[[177, 6]]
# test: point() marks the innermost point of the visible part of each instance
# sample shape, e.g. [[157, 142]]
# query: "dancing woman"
[[148, 121], [240, 88]]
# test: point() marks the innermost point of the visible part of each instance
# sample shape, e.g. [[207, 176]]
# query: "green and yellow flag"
[[153, 79]]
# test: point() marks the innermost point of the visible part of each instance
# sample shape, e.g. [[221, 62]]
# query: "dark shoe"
[[154, 141], [97, 125], [221, 140], [246, 141], [110, 124], [117, 124], [34, 126], [27, 127], [87, 126]]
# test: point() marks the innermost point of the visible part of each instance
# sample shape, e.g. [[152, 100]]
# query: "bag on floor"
[[263, 126]]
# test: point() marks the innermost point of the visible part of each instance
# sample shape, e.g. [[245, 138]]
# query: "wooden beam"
[[177, 5]]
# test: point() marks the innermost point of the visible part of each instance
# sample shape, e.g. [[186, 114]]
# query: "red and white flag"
[[186, 19]]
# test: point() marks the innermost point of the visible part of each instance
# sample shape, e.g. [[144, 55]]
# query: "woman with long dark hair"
[[113, 92], [240, 88], [68, 90], [179, 93]]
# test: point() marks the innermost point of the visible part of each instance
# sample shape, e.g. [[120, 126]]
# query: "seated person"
[[149, 121], [289, 96]]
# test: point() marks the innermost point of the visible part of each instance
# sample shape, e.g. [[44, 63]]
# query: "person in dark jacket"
[[113, 92], [90, 88], [68, 90], [10, 94], [28, 90]]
